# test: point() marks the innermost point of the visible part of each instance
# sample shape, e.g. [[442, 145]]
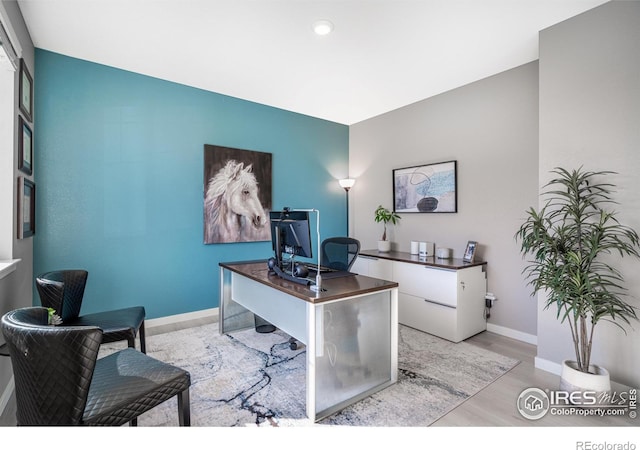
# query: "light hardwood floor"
[[494, 406]]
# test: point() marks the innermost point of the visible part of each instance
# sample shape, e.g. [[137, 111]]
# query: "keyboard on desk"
[[314, 268]]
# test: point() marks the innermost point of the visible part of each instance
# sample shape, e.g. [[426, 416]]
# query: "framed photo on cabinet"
[[25, 147], [470, 251], [26, 208], [26, 91]]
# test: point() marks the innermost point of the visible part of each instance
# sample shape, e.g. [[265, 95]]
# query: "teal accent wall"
[[118, 165]]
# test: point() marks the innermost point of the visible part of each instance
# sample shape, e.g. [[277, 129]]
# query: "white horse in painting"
[[233, 212]]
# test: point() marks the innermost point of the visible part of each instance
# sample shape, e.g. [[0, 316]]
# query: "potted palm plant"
[[385, 216], [573, 239]]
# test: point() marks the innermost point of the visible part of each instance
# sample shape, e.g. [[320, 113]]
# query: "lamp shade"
[[347, 183]]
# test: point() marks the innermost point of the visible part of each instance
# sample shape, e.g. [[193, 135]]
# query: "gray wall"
[[588, 111], [491, 128], [590, 115], [16, 288]]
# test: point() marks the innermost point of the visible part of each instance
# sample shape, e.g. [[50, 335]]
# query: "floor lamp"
[[347, 183]]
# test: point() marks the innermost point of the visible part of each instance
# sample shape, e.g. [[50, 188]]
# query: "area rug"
[[250, 379]]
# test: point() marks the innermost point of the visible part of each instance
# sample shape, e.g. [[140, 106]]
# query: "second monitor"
[[290, 234]]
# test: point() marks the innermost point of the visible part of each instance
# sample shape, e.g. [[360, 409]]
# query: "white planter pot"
[[574, 380], [384, 246]]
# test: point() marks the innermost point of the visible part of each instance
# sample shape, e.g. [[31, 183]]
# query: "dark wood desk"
[[350, 328]]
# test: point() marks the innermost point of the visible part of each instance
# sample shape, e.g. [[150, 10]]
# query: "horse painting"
[[232, 208]]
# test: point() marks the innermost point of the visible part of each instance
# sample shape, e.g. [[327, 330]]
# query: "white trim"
[[514, 334], [8, 266], [185, 317], [6, 395], [8, 115], [547, 366], [13, 37], [8, 57]]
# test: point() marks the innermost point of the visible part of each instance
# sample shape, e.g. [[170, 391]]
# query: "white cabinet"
[[445, 299], [373, 267], [448, 303]]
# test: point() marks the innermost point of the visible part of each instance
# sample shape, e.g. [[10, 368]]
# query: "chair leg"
[[133, 422], [143, 343], [184, 409]]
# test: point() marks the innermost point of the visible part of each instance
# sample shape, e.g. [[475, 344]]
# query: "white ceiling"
[[382, 54]]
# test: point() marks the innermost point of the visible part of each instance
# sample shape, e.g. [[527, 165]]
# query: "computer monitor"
[[290, 234]]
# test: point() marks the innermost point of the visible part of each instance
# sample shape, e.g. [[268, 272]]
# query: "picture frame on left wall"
[[25, 147], [26, 208], [26, 91]]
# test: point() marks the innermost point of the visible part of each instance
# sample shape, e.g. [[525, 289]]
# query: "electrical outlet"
[[489, 298]]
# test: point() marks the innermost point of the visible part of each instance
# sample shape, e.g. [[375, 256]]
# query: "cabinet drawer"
[[381, 268], [436, 285], [361, 266], [431, 318], [373, 267]]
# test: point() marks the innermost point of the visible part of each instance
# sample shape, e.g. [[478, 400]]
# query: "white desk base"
[[352, 342]]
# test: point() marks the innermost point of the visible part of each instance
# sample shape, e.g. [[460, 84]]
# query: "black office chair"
[[60, 381], [339, 252], [63, 291]]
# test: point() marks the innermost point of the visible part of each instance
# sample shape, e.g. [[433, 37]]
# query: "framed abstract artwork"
[[26, 92], [430, 188], [25, 147], [237, 195], [26, 208]]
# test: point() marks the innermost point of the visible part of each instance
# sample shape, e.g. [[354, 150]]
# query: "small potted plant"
[[385, 216], [573, 240]]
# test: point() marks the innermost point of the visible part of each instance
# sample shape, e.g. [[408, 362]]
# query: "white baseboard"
[[547, 366], [539, 363], [514, 334], [211, 313], [6, 395]]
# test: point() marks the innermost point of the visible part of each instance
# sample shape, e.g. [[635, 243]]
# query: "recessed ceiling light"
[[322, 27]]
